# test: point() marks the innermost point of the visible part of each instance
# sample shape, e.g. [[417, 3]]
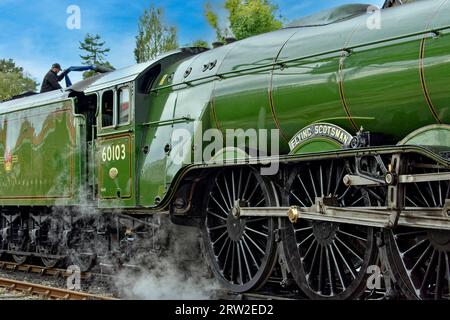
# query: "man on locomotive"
[[52, 78]]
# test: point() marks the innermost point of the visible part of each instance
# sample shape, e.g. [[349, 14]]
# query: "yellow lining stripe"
[[423, 83], [341, 92], [272, 107]]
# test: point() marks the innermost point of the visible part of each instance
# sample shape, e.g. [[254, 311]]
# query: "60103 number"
[[113, 153]]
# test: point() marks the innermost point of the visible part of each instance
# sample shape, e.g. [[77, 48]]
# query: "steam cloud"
[[179, 272]]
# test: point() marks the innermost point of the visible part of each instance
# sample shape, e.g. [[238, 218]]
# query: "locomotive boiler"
[[362, 113]]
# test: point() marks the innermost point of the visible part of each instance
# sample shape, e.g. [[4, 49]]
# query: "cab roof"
[[90, 85]]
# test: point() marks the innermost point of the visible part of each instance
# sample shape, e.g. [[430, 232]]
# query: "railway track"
[[48, 292], [93, 283], [46, 271], [58, 273], [29, 268]]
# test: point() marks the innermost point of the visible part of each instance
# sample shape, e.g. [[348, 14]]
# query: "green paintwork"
[[434, 137], [115, 153], [42, 157], [317, 145], [391, 80]]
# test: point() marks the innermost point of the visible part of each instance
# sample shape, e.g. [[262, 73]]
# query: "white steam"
[[180, 272]]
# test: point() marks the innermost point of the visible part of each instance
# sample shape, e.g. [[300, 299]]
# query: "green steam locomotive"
[[304, 156]]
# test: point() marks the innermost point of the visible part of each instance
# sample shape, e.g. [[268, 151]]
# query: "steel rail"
[[49, 292]]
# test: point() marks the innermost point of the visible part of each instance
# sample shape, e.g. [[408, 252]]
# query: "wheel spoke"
[[251, 253], [447, 196], [227, 256], [256, 231], [412, 202], [321, 182], [320, 271], [313, 184], [414, 246], [228, 192], [341, 280], [223, 196], [252, 194], [352, 235], [246, 186], [422, 196], [300, 201], [239, 185], [349, 249], [447, 266], [306, 190], [302, 229], [220, 237], [254, 243], [245, 260], [375, 195], [260, 202], [223, 246], [421, 258], [313, 261], [217, 228], [233, 186], [437, 293], [344, 260], [254, 220], [411, 233], [306, 239], [329, 271], [329, 178], [309, 249], [338, 180], [216, 215], [238, 250], [356, 201], [218, 204], [428, 272], [430, 191], [233, 247], [344, 194]]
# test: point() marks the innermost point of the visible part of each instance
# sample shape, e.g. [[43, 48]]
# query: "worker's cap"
[[56, 65]]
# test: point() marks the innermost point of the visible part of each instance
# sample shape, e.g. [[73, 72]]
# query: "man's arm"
[[53, 80], [63, 74]]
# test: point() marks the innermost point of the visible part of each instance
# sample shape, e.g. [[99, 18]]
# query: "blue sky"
[[35, 35]]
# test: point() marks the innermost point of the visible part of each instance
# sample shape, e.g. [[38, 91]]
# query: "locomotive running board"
[[382, 217]]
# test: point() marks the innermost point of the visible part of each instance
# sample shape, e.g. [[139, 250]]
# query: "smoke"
[[169, 258], [179, 272]]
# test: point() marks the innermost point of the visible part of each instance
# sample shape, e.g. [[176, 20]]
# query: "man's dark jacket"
[[51, 80]]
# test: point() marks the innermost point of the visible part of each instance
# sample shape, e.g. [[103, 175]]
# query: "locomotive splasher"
[[73, 158]]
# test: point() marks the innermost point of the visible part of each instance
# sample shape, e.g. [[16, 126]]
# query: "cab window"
[[107, 108], [124, 105]]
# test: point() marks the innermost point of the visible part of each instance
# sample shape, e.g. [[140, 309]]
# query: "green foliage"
[[95, 53], [154, 36], [13, 80], [200, 44], [246, 18], [213, 21]]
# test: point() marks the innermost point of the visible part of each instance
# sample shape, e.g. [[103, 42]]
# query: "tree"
[[200, 44], [95, 53], [246, 18], [154, 36], [13, 80], [213, 20]]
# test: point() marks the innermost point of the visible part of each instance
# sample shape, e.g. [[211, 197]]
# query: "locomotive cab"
[[130, 125]]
